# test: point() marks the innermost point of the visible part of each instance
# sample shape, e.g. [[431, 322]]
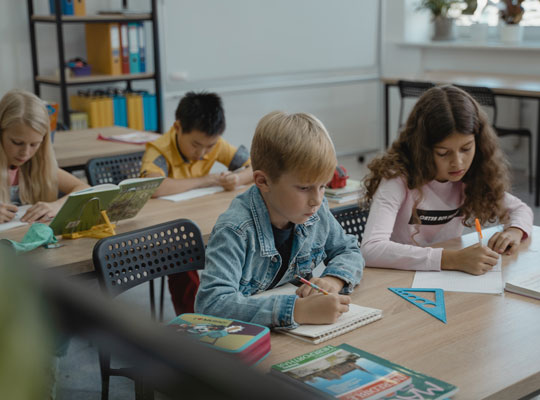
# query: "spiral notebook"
[[356, 317]]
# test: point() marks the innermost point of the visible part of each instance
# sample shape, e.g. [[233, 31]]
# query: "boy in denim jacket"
[[281, 227]]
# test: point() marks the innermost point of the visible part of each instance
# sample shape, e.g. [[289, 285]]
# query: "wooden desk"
[[488, 347], [519, 86], [74, 148], [75, 257]]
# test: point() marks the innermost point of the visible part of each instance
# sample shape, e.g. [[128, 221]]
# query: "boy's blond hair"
[[296, 143]]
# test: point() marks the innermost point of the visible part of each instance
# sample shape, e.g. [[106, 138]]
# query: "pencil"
[[478, 230], [311, 284]]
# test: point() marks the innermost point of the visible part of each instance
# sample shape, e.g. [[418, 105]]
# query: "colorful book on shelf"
[[422, 387], [246, 341], [82, 209], [526, 285], [137, 137], [356, 317], [343, 374]]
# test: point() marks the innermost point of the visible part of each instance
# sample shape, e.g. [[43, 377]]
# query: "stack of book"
[[348, 373], [351, 191], [246, 341]]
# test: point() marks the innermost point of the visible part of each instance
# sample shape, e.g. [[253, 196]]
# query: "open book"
[[356, 316], [192, 194], [136, 137], [16, 221], [82, 209]]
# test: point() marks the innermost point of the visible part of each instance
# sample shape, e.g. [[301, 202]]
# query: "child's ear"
[[261, 180], [177, 127]]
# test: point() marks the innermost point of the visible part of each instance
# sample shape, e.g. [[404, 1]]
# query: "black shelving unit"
[[63, 82]]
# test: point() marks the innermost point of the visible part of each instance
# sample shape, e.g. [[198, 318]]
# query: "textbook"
[[343, 374], [421, 387], [246, 341], [131, 137], [356, 317], [526, 285], [348, 193], [82, 209]]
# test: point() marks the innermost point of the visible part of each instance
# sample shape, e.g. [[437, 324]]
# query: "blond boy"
[[279, 228]]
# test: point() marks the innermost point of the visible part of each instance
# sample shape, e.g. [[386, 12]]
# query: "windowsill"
[[526, 45]]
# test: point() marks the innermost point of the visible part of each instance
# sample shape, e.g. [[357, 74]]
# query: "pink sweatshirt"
[[390, 238]]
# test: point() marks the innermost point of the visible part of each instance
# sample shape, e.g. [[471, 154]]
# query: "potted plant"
[[443, 23], [510, 31]]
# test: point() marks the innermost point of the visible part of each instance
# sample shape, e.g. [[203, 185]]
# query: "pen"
[[478, 230], [311, 284]]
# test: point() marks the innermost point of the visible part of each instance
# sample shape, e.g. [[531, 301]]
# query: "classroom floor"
[[78, 374]]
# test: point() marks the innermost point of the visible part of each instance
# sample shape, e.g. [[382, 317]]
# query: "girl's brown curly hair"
[[440, 112]]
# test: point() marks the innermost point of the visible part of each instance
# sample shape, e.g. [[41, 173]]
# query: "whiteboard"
[[205, 40]]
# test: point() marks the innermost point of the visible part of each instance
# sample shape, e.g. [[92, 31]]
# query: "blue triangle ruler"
[[437, 308]]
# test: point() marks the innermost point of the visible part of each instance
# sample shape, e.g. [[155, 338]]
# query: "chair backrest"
[[352, 218], [113, 169], [411, 89], [129, 259], [483, 95]]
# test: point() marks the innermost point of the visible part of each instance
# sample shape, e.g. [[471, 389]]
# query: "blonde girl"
[[29, 173]]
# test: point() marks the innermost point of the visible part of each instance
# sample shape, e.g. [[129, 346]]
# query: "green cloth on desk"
[[38, 235]]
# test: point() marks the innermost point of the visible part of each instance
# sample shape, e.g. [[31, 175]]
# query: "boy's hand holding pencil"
[[326, 285]]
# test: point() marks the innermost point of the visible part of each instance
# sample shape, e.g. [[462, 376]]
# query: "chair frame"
[[486, 98], [130, 259], [113, 169], [410, 89]]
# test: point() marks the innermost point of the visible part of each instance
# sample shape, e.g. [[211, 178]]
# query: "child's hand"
[[475, 259], [41, 212], [320, 308], [329, 283], [229, 180], [7, 212], [507, 241]]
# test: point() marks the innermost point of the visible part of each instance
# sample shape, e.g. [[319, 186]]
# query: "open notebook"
[[356, 316]]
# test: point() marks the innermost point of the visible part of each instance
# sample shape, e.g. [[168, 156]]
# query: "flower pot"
[[443, 29], [510, 33]]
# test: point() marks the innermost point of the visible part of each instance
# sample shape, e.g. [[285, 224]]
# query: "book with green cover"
[[422, 387], [82, 209], [341, 373]]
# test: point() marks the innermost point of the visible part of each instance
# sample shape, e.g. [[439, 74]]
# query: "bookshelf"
[[62, 81]]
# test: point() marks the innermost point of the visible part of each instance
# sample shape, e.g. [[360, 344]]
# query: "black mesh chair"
[[486, 98], [352, 218], [113, 169], [129, 259], [410, 89]]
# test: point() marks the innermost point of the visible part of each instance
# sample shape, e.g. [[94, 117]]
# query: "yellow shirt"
[[163, 157]]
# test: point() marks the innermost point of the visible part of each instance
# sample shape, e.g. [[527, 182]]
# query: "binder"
[[79, 7], [66, 6], [103, 48], [134, 66], [150, 112], [135, 111], [120, 110], [124, 47], [142, 47]]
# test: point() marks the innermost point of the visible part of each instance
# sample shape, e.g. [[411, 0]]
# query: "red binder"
[[124, 47]]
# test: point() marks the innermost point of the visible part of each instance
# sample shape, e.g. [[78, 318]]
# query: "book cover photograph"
[[421, 387], [343, 374], [250, 342]]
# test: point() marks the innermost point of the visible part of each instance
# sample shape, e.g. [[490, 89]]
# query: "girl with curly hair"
[[444, 170]]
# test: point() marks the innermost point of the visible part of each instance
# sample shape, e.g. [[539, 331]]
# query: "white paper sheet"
[[457, 281], [15, 222], [191, 194]]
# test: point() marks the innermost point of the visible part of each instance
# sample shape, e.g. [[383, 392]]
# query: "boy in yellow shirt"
[[185, 155]]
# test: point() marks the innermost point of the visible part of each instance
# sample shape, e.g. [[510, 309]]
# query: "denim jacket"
[[242, 260]]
